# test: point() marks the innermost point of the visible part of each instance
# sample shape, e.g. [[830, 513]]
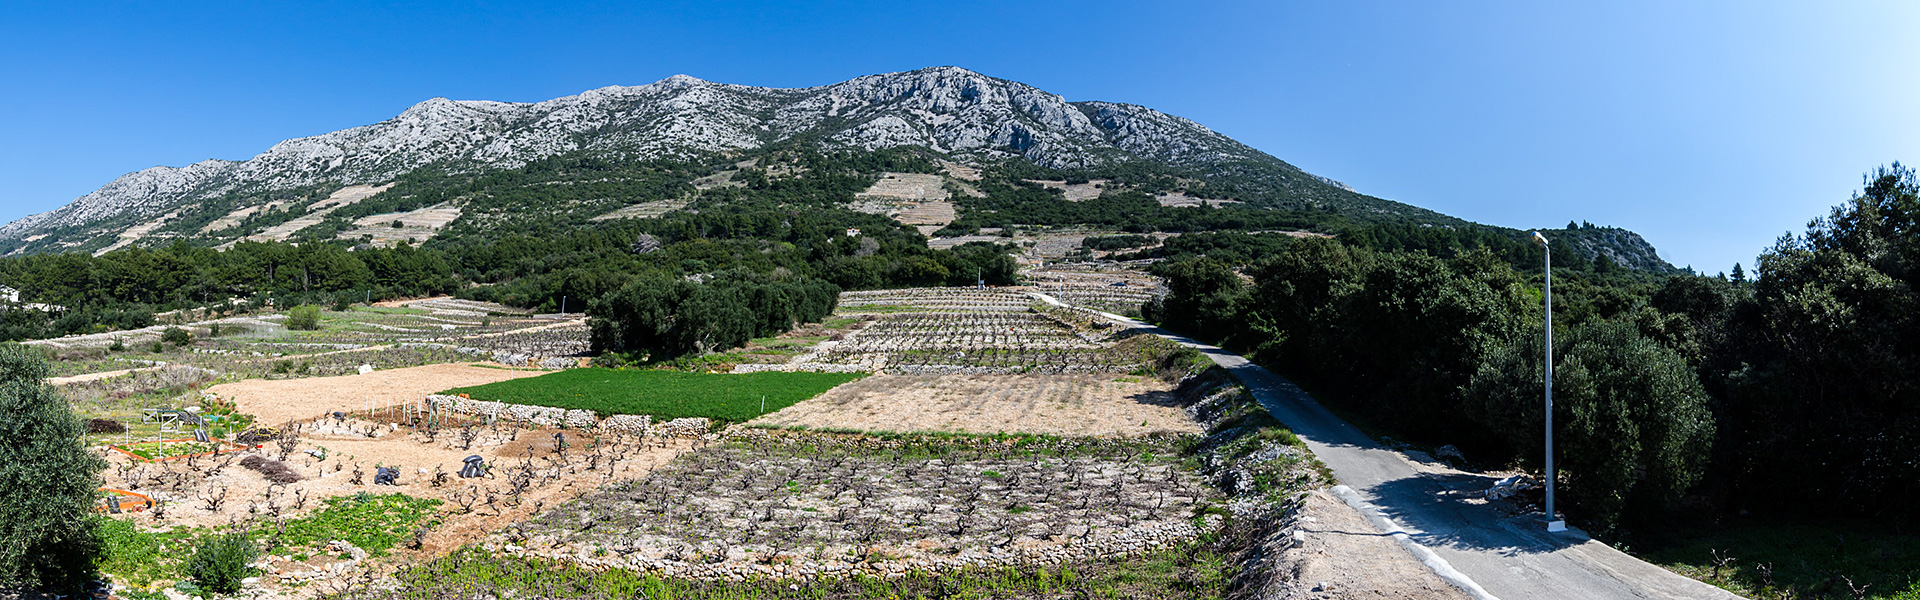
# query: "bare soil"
[[527, 475], [908, 186], [273, 401], [415, 225], [1086, 404], [342, 197], [1343, 556]]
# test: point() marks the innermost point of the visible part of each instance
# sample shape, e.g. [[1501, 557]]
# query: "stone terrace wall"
[[547, 416]]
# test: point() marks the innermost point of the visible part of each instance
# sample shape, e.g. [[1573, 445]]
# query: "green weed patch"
[[375, 523], [143, 559], [662, 394]]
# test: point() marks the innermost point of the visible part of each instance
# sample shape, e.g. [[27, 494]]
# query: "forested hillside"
[[555, 228]]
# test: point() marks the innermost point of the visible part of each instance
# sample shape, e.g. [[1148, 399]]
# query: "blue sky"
[[1710, 127]]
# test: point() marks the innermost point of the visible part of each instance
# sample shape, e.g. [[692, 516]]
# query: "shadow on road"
[[1450, 511]]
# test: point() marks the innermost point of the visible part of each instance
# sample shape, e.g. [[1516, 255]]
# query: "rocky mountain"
[[947, 109], [964, 117]]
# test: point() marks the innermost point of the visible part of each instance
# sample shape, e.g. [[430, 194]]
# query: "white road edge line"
[[1426, 556], [1434, 562]]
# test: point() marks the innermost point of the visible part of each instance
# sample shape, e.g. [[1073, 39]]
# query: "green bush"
[[176, 336], [1115, 242], [220, 561], [44, 465], [304, 318], [1632, 426], [1204, 299]]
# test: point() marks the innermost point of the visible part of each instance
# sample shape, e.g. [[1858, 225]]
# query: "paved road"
[[1511, 557]]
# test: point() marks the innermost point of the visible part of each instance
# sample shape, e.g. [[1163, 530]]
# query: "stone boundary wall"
[[1140, 539], [547, 416], [505, 357]]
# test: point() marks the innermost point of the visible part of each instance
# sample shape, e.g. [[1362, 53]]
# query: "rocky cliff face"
[[1625, 248], [948, 109]]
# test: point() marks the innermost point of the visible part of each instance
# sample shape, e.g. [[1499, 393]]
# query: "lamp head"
[[1539, 239]]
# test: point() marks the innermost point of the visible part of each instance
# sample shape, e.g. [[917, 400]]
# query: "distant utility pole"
[[563, 305], [1554, 523]]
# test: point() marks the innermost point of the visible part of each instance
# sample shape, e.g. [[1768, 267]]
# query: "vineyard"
[[798, 504], [1100, 287], [934, 299], [946, 330]]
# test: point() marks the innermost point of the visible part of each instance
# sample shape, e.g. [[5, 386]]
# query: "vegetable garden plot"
[[817, 504]]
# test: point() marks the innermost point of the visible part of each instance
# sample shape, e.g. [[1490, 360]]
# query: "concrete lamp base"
[[1556, 526]]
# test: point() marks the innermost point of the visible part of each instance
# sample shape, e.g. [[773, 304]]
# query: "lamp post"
[[1554, 523]]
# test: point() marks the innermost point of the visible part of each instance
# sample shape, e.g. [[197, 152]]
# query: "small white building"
[[9, 295], [853, 233]]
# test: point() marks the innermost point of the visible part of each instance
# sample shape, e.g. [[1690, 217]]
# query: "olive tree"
[[48, 534], [1633, 429]]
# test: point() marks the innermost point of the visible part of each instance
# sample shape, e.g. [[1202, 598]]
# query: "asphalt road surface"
[[1464, 539]]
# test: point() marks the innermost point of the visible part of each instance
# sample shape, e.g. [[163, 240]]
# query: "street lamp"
[[1554, 523]]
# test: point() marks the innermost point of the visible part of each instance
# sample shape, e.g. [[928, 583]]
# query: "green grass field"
[[662, 394]]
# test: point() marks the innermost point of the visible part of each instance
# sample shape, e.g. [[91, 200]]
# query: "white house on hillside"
[[9, 295]]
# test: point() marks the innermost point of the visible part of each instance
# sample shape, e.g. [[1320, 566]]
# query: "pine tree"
[[1739, 275], [49, 537]]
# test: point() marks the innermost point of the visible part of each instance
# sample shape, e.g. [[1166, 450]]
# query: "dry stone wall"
[[547, 416]]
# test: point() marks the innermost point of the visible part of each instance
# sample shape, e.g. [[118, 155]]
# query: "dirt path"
[[273, 401], [86, 377], [1045, 404]]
